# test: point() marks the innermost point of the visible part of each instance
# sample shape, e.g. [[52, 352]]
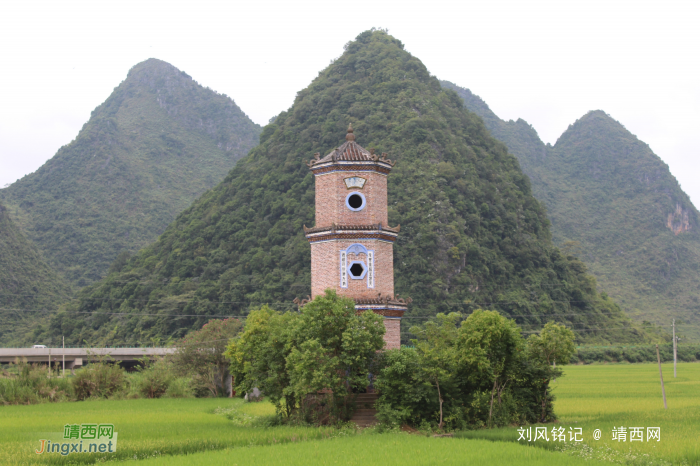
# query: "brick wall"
[[331, 193], [392, 337], [325, 269]]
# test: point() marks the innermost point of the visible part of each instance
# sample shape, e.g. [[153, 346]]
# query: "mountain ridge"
[[607, 191], [157, 142], [28, 285], [472, 235]]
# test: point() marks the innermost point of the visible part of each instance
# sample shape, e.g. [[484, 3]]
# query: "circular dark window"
[[355, 201], [356, 270]]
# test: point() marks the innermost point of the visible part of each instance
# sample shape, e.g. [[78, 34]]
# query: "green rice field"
[[147, 428], [225, 431], [382, 449], [629, 395]]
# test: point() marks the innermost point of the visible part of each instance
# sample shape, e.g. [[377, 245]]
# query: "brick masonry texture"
[[392, 337], [331, 193], [325, 269]]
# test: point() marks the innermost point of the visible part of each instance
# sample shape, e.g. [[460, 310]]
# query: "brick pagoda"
[[352, 243]]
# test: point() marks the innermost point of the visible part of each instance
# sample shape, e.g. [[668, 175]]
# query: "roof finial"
[[350, 136]]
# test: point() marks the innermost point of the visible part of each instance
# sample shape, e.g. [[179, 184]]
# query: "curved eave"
[[340, 235], [342, 165]]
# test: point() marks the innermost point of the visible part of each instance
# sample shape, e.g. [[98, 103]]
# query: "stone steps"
[[365, 414]]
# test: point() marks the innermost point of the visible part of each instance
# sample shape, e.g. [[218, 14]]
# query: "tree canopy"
[[476, 371], [326, 348]]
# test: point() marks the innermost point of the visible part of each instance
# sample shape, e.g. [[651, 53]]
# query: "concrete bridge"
[[76, 357]]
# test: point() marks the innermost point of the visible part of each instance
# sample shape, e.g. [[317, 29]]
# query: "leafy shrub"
[[632, 354], [241, 419], [405, 399], [180, 387], [200, 355], [32, 385], [155, 379], [99, 380], [478, 374]]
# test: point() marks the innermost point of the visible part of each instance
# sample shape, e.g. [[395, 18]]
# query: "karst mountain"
[[472, 234], [614, 204], [29, 288], [157, 143]]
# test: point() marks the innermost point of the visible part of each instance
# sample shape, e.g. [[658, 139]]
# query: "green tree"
[[258, 357], [333, 348], [436, 352], [489, 347], [404, 396], [325, 348], [201, 354], [555, 342]]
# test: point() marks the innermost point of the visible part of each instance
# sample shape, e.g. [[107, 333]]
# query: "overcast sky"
[[548, 62]]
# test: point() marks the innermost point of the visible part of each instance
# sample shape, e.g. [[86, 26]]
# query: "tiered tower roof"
[[353, 153]]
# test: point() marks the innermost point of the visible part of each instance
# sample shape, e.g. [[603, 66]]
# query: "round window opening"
[[356, 270], [355, 201]]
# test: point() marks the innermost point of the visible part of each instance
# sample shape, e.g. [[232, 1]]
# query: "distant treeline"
[[646, 353]]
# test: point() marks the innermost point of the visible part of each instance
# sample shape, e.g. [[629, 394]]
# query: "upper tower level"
[[351, 185], [352, 247]]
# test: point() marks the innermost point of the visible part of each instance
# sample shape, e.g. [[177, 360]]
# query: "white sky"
[[548, 62]]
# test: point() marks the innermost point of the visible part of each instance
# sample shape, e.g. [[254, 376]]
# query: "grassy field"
[[146, 427], [629, 395], [380, 449], [213, 431]]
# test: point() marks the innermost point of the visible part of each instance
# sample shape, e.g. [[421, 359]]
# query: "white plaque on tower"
[[355, 182], [343, 269], [370, 269]]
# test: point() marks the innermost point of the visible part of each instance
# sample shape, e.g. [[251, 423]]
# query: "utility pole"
[[49, 373], [675, 353], [661, 375], [64, 356]]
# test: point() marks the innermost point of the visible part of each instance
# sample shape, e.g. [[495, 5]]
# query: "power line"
[[210, 316], [470, 303], [289, 304], [491, 287], [522, 316]]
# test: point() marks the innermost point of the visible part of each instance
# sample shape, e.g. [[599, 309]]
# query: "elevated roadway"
[[76, 357]]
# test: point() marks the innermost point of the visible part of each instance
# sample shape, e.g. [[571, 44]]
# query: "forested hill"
[[159, 141], [472, 235], [28, 285], [615, 204]]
